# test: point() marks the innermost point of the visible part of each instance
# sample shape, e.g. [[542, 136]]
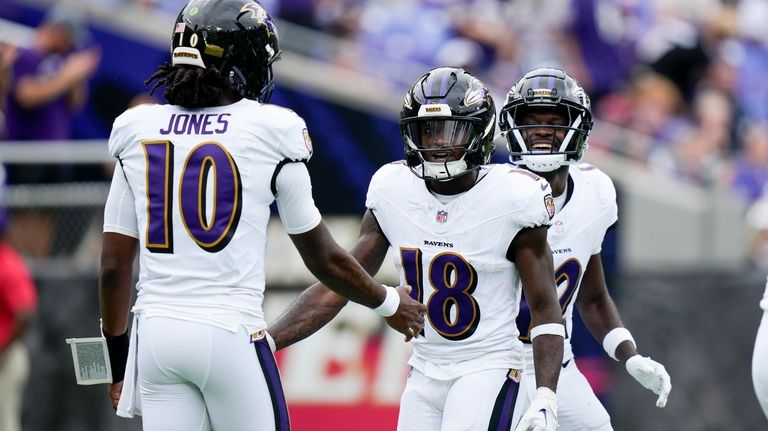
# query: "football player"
[[760, 357], [546, 120], [191, 193], [466, 236]]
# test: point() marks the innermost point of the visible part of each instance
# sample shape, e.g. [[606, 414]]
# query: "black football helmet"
[[447, 123], [238, 37], [550, 90]]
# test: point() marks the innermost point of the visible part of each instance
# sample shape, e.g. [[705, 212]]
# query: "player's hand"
[[114, 390], [409, 317], [542, 414], [652, 375]]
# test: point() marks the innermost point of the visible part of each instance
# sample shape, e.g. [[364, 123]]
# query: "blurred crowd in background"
[[684, 80], [688, 76]]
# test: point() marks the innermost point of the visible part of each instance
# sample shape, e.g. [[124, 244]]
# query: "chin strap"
[[444, 171], [542, 162]]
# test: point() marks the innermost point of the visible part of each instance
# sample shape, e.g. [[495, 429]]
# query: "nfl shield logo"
[[441, 216]]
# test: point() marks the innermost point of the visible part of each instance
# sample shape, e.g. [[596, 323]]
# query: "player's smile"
[[544, 142], [543, 146]]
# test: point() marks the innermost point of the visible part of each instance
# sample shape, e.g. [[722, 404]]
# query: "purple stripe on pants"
[[272, 376], [504, 408]]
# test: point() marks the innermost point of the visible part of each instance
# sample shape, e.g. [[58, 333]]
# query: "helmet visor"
[[439, 140]]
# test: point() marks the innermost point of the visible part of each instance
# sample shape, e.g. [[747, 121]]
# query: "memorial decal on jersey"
[[442, 216], [549, 202], [307, 140], [559, 226]]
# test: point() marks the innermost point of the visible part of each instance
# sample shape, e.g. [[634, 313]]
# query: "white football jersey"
[[202, 182], [454, 257], [576, 234]]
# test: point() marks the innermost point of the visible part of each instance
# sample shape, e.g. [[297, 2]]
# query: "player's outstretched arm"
[[533, 259], [601, 316], [115, 280], [318, 305], [314, 308], [340, 271]]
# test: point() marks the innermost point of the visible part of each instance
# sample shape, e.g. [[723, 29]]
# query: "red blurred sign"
[[348, 376]]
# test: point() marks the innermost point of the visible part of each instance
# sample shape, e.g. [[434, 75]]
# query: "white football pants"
[[194, 376], [484, 400]]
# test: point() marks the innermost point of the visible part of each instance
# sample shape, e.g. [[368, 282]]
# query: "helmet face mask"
[[546, 120], [447, 123], [441, 146], [236, 37]]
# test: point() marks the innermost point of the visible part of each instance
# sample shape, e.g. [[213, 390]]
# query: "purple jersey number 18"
[[207, 158], [452, 310]]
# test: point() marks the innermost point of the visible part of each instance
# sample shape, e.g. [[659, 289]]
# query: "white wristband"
[[548, 329], [390, 304], [615, 337]]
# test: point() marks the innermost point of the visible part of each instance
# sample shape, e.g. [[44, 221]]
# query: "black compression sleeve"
[[117, 347]]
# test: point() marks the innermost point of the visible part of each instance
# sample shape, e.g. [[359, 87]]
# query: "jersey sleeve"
[[120, 209], [539, 207], [296, 145], [379, 187], [119, 137], [379, 180], [606, 193], [371, 196], [295, 205]]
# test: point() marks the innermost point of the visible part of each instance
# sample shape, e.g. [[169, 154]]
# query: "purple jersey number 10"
[[207, 158]]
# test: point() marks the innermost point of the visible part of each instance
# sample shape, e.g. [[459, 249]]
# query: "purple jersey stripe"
[[272, 376], [504, 408]]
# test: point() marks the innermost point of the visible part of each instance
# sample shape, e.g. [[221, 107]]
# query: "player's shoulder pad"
[[278, 115], [295, 142], [390, 174], [522, 182], [524, 193], [124, 124], [599, 182]]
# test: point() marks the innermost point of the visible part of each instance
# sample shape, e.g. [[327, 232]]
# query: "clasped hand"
[[409, 317]]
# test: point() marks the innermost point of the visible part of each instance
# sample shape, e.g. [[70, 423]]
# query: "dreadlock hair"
[[189, 86]]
